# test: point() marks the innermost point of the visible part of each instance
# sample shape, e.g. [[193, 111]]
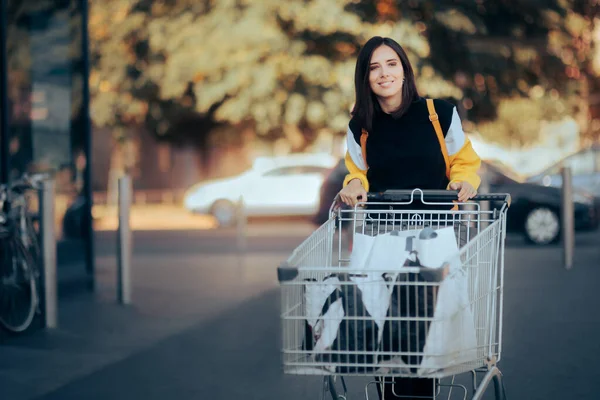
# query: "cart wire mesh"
[[395, 345]]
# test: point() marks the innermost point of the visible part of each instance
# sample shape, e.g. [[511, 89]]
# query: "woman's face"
[[386, 74]]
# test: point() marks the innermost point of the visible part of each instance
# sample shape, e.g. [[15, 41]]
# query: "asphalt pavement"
[[204, 325]]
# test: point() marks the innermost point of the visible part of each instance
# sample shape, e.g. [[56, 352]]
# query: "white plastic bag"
[[451, 339], [434, 251], [373, 256]]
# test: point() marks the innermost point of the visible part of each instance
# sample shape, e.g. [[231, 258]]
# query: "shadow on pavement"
[[235, 356]]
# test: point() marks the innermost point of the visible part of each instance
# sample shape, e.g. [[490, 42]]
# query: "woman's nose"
[[384, 71]]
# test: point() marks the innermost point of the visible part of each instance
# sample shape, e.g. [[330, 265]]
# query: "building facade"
[[45, 124]]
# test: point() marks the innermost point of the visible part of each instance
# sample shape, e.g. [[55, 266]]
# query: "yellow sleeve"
[[464, 165], [355, 172]]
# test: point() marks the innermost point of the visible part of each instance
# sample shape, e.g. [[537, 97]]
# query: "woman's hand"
[[466, 191], [353, 192]]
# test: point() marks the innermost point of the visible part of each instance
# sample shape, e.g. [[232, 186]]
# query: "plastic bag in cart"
[[337, 301], [451, 340], [339, 297], [375, 291]]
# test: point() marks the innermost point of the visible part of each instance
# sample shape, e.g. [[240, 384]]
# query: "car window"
[[295, 170], [581, 164], [494, 177], [310, 169], [283, 171]]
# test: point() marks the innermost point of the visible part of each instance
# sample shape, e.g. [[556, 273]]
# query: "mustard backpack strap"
[[435, 120], [363, 145]]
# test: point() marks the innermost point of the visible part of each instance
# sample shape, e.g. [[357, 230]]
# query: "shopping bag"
[[365, 298], [434, 247], [323, 311], [405, 329], [357, 336], [378, 258], [451, 339]]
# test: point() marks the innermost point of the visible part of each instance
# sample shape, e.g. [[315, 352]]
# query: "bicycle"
[[19, 255]]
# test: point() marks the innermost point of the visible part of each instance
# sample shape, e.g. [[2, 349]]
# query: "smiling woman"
[[385, 75], [399, 140]]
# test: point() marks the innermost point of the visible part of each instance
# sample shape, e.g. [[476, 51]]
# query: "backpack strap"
[[435, 121], [363, 145]]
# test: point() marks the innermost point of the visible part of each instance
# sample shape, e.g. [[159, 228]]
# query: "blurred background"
[[213, 104]]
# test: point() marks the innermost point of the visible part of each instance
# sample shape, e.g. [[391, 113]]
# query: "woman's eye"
[[392, 64], [374, 67]]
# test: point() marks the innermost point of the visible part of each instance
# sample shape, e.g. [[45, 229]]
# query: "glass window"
[[297, 170], [283, 171], [312, 170], [47, 126], [494, 177], [582, 163]]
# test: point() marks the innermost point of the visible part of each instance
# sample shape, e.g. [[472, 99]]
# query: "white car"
[[275, 186]]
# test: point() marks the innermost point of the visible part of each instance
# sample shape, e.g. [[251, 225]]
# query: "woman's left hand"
[[466, 191]]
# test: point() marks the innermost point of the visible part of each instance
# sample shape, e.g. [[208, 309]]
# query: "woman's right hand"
[[353, 192]]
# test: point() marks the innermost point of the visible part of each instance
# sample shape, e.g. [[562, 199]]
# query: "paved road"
[[205, 326]]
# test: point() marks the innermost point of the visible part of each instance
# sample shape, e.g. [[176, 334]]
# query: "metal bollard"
[[124, 245], [241, 225], [47, 196], [567, 217]]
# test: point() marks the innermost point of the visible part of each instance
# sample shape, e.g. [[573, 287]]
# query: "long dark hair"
[[366, 102]]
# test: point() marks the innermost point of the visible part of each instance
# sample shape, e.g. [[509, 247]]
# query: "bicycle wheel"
[[18, 288]]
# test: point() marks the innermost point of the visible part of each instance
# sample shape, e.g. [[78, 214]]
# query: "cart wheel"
[[329, 385], [332, 390], [499, 387]]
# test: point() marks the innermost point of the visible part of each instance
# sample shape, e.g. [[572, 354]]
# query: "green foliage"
[[288, 66], [520, 119]]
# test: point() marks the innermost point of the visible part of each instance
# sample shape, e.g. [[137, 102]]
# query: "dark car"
[[585, 168], [534, 211]]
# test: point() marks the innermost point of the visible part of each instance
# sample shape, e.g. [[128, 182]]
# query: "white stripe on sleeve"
[[355, 150], [455, 138]]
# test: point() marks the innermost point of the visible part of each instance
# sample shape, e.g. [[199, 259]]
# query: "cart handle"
[[433, 196]]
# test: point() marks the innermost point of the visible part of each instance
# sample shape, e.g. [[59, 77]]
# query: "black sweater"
[[405, 153]]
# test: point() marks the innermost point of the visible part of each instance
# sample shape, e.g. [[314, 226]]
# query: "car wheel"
[[224, 212], [542, 226]]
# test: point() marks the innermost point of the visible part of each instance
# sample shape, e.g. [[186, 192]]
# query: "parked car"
[[534, 211], [585, 168], [276, 186]]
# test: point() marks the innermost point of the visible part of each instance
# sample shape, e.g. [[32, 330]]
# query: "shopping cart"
[[398, 349]]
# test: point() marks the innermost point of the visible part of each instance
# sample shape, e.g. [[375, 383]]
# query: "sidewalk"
[[95, 332], [170, 217], [206, 326], [152, 217]]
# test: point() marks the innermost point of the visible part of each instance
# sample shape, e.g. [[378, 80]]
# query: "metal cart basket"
[[395, 346]]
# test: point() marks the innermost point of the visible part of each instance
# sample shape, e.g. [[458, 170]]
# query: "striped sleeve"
[[464, 162], [354, 160]]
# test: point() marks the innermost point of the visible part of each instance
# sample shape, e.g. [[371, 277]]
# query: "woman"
[[400, 148]]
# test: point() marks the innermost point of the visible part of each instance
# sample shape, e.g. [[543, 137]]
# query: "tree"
[[519, 63], [286, 68]]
